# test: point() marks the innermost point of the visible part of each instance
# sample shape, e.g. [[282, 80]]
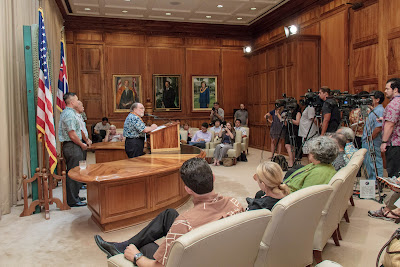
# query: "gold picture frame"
[[127, 90]]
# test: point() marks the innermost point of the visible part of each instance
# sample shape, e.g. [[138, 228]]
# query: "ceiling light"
[[247, 49], [219, 6], [175, 3], [124, 11], [253, 8], [168, 14], [291, 30], [239, 18], [127, 0], [209, 17], [87, 9]]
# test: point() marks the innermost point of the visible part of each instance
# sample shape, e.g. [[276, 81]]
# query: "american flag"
[[44, 117], [62, 80]]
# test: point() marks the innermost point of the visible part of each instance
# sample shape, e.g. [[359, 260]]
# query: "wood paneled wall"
[[359, 51], [93, 57]]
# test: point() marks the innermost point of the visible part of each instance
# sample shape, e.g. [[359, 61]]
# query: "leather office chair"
[[229, 242]]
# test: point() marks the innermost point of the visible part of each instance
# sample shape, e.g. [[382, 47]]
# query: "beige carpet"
[[67, 238]]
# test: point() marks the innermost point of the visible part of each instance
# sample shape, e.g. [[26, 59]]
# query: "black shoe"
[[82, 198], [106, 247], [78, 204]]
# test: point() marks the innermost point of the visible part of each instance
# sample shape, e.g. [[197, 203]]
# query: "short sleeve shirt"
[[207, 208], [330, 106], [82, 124], [392, 113], [372, 123], [99, 126], [133, 126], [242, 115], [306, 121], [355, 117], [68, 122], [221, 113]]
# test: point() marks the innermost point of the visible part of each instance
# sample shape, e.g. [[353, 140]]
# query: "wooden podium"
[[165, 138]]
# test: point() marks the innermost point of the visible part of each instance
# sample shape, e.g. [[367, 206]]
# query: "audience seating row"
[[286, 236]]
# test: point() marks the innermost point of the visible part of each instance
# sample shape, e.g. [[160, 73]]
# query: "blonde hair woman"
[[269, 177]]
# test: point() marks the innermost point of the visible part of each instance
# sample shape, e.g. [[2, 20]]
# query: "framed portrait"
[[167, 92], [204, 92], [127, 90]]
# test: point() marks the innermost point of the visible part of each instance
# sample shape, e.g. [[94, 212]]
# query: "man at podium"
[[135, 130]]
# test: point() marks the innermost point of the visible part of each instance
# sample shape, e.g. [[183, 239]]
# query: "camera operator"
[[276, 131], [307, 120], [217, 113], [292, 140], [372, 132], [330, 111]]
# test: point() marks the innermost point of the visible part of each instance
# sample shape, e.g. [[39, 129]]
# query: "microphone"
[[151, 115]]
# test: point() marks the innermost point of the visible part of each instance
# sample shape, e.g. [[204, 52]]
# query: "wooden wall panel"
[[124, 38], [394, 57], [365, 62], [334, 53], [234, 79], [391, 12], [367, 30]]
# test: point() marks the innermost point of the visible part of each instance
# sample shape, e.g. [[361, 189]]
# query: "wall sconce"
[[247, 49], [291, 30]]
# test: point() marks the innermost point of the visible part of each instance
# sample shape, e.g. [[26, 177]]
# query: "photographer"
[[217, 113], [356, 122], [330, 111], [373, 134]]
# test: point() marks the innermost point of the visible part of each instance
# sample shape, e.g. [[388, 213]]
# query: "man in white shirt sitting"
[[217, 127]]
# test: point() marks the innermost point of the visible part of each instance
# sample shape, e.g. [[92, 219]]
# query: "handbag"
[[391, 257]]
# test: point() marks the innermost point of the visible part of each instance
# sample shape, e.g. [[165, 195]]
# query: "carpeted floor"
[[67, 238]]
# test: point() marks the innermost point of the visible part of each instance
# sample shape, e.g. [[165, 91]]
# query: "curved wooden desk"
[[126, 192]]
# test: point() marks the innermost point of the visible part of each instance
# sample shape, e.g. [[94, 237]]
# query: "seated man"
[[238, 127], [113, 136], [100, 130], [201, 137], [339, 162], [349, 149], [208, 207], [217, 126], [323, 151]]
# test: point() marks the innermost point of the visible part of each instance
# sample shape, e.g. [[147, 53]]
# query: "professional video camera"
[[289, 104], [349, 101], [312, 99]]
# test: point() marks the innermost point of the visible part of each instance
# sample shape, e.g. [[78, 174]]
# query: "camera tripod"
[[308, 137]]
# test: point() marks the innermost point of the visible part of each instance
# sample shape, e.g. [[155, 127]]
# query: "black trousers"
[[392, 157], [72, 154], [155, 230], [134, 147]]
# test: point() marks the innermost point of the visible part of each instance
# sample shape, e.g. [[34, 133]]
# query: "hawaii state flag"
[[44, 117], [62, 80]]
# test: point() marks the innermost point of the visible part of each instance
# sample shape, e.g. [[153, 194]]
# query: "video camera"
[[312, 99], [349, 101], [289, 104]]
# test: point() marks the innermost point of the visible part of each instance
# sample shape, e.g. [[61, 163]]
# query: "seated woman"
[[339, 162], [112, 135], [349, 149], [227, 136], [323, 151], [269, 176], [189, 135]]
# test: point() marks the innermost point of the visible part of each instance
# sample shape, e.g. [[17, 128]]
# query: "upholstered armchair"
[[331, 214], [288, 239], [245, 140], [232, 153], [229, 242]]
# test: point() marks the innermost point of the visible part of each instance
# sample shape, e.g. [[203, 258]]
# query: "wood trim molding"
[[365, 82]]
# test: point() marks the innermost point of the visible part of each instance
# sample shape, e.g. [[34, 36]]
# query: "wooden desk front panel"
[[166, 190], [108, 155]]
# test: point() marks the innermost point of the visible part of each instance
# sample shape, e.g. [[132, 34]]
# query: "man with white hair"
[[135, 130], [349, 149]]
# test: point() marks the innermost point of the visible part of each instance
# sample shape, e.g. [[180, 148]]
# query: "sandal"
[[397, 217], [380, 214]]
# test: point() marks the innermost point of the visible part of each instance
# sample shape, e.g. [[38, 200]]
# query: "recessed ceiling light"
[[253, 8], [87, 9], [124, 11], [209, 17], [175, 3], [127, 0], [168, 14], [219, 6], [239, 18]]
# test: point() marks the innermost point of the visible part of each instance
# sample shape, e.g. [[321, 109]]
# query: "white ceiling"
[[233, 12]]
